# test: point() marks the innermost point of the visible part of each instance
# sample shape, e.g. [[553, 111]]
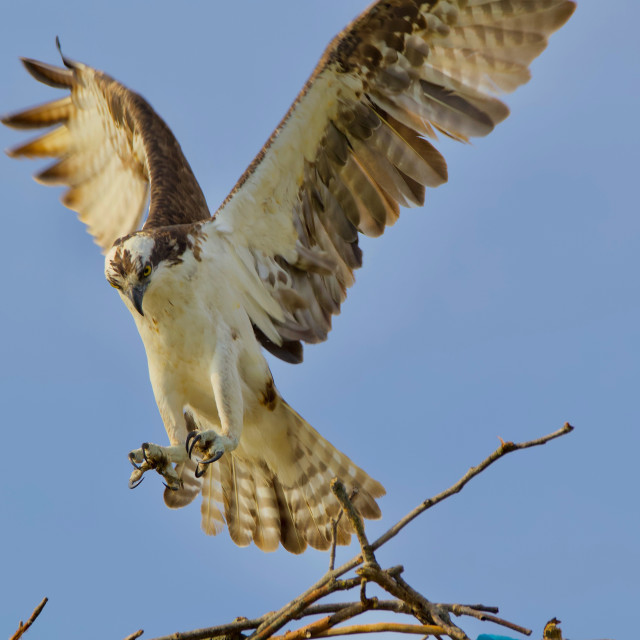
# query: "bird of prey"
[[271, 267]]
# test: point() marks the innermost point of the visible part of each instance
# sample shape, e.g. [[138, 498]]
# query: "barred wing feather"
[[352, 149], [113, 152]]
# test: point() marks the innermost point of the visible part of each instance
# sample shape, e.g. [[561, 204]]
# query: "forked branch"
[[434, 619]]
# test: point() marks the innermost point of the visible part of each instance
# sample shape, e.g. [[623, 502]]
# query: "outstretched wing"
[[112, 150], [352, 148]]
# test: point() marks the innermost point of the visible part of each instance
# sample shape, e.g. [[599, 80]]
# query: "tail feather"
[[213, 521], [281, 493], [307, 523], [367, 506], [238, 492], [268, 530], [291, 538]]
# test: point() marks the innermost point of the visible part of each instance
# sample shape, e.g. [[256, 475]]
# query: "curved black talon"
[[133, 462], [215, 458], [199, 473], [134, 484], [191, 441], [144, 446], [170, 488]]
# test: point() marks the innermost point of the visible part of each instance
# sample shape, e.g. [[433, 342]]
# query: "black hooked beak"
[[136, 294]]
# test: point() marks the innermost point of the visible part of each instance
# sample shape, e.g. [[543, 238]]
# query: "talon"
[[216, 456], [152, 456], [135, 483], [133, 462], [170, 487], [193, 438]]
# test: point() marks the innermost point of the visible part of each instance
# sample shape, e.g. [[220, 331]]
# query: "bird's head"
[[129, 267], [137, 261]]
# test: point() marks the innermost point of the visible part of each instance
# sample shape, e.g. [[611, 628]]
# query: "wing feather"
[[352, 148], [43, 115], [113, 152], [53, 143]]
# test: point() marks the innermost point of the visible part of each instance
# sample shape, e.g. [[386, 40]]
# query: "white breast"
[[186, 308]]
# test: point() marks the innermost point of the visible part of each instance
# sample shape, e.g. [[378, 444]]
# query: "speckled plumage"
[[272, 266]]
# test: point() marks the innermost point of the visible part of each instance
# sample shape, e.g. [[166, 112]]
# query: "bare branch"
[[460, 610], [434, 617], [334, 533], [476, 607], [334, 540], [354, 518], [422, 609], [232, 629], [320, 626], [378, 627], [22, 628], [396, 606], [135, 634], [280, 618], [284, 614]]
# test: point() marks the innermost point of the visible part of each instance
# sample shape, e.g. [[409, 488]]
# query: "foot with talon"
[[208, 446], [161, 459]]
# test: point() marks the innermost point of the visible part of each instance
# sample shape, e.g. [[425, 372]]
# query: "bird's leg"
[[161, 459], [210, 445]]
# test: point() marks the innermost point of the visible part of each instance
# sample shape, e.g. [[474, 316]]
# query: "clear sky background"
[[506, 307]]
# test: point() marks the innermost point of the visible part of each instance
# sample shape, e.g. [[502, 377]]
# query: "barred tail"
[[279, 491]]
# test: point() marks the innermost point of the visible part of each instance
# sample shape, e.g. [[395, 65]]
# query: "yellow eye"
[[146, 272], [114, 285]]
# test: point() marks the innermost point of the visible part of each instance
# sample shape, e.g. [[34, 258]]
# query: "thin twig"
[[476, 607], [378, 627], [334, 541], [322, 625], [135, 634], [22, 628], [334, 533], [354, 518], [501, 451], [396, 606], [460, 610], [232, 628], [363, 591]]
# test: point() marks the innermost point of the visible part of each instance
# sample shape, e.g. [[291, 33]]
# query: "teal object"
[[491, 636]]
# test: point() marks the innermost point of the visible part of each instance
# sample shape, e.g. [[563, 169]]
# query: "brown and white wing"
[[352, 148], [112, 151]]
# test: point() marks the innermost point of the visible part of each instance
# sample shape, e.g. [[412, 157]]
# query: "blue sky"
[[505, 307]]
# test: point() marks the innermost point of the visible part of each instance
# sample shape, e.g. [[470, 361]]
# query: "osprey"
[[273, 264]]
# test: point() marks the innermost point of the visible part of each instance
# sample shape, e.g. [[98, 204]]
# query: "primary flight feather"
[[272, 266]]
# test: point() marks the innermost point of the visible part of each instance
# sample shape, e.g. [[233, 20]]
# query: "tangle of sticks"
[[429, 618]]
